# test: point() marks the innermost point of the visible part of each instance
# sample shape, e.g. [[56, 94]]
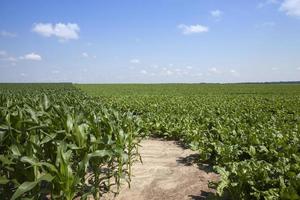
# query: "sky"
[[149, 41]]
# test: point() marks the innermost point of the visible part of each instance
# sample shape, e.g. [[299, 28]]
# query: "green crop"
[[249, 133], [55, 141], [58, 142]]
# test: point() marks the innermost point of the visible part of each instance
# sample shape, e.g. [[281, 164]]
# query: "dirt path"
[[167, 173]]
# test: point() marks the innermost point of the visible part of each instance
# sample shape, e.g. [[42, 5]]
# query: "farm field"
[[150, 100], [248, 132], [58, 143], [70, 141]]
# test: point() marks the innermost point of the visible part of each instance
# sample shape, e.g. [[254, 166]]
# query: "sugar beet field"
[[71, 141]]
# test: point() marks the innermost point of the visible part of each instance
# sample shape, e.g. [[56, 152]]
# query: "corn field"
[[58, 143]]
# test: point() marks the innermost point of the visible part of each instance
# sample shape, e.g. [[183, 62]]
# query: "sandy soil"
[[168, 172]]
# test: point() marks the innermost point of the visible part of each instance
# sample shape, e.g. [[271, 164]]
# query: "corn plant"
[[58, 143]]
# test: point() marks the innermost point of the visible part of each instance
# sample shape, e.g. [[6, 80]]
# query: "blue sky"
[[149, 41]]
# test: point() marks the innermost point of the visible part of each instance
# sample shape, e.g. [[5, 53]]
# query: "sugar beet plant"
[[58, 143], [252, 140]]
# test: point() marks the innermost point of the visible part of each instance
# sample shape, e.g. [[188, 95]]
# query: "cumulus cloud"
[[31, 56], [4, 56], [5, 33], [298, 68], [216, 13], [62, 31], [135, 61], [192, 29], [291, 7]]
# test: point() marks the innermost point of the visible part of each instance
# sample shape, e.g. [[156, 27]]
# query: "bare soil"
[[168, 172]]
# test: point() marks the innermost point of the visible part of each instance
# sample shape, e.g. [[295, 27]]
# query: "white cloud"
[[234, 72], [5, 33], [291, 7], [274, 69], [135, 61], [44, 29], [31, 56], [144, 72], [214, 70], [3, 53], [11, 59], [181, 72], [169, 72], [84, 54], [216, 13], [62, 31], [298, 68], [191, 29], [6, 57]]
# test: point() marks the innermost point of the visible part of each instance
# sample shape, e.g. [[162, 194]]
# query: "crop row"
[[58, 143], [253, 141]]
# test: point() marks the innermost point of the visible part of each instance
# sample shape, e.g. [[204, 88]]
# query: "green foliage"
[[250, 133], [56, 141]]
